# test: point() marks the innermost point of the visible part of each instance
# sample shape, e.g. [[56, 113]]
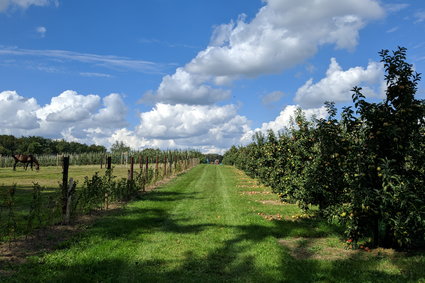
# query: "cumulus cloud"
[[132, 139], [113, 112], [72, 116], [75, 115], [24, 4], [284, 120], [337, 84], [195, 126], [282, 34], [92, 119], [69, 106], [183, 87], [17, 113]]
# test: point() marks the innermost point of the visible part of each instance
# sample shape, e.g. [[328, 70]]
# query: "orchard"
[[364, 171]]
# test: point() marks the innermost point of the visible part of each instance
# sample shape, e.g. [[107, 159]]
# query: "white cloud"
[[282, 34], [114, 111], [17, 113], [92, 119], [195, 126], [41, 31], [284, 121], [393, 8], [69, 107], [72, 116], [24, 4], [337, 84], [167, 121], [95, 75], [272, 97], [108, 61], [183, 87], [393, 29]]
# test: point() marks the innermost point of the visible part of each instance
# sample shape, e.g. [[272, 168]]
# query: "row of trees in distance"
[[39, 145]]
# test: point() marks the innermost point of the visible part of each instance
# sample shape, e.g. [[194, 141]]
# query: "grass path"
[[213, 224]]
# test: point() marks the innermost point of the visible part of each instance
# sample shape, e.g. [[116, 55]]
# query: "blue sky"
[[193, 73]]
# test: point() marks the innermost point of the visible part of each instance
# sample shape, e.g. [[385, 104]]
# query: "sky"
[[191, 74]]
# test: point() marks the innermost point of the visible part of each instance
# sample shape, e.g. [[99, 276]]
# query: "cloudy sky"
[[202, 74]]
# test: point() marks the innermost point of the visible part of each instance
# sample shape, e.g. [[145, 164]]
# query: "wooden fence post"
[[170, 164], [156, 167], [165, 166], [109, 165], [131, 168], [70, 192], [65, 167]]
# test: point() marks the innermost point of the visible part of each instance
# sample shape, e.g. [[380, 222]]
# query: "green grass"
[[51, 176], [208, 226]]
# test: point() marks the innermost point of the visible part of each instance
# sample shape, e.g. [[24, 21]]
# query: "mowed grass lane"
[[212, 224]]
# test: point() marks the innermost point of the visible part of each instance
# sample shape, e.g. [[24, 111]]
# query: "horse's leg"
[[14, 165], [26, 166]]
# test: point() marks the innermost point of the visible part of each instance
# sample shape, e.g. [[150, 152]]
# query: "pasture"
[[214, 224], [49, 178]]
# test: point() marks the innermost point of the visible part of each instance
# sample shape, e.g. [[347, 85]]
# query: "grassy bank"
[[214, 224]]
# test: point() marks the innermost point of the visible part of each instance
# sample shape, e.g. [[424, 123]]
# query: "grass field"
[[214, 224], [51, 176]]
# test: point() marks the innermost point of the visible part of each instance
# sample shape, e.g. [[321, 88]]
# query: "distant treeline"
[[39, 145]]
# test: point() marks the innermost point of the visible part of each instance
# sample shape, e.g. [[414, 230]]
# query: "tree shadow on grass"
[[143, 221], [166, 196], [234, 260], [136, 221]]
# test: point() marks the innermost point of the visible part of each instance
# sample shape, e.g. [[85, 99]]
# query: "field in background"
[[51, 176]]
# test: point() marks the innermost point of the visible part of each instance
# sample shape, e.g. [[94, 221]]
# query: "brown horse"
[[26, 159]]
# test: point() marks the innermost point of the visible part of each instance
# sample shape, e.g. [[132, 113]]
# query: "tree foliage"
[[365, 170], [39, 145], [119, 147]]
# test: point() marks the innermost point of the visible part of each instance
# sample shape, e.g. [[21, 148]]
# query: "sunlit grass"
[[51, 176]]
